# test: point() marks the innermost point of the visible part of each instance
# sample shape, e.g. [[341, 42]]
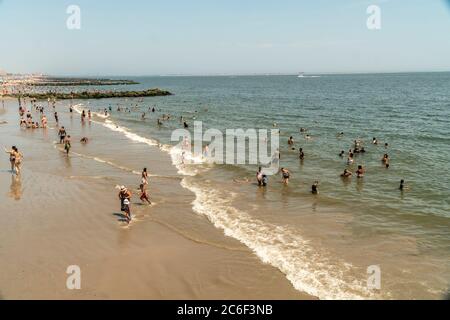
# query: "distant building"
[[3, 73]]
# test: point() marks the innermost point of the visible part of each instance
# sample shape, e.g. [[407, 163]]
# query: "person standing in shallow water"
[[360, 172], [315, 188], [67, 144], [125, 197], [259, 176], [286, 175], [62, 135], [144, 195], [15, 158]]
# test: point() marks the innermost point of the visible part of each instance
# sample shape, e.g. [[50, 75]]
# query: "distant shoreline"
[[70, 82], [91, 94]]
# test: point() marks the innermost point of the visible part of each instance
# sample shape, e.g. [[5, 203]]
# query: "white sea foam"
[[305, 267], [130, 135]]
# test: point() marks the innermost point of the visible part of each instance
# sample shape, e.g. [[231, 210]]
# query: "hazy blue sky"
[[145, 37]]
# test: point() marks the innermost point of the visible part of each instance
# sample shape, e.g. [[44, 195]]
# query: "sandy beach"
[[63, 211]]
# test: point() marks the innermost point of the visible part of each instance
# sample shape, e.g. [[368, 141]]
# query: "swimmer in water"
[[301, 154], [350, 159], [385, 161], [403, 187], [315, 188], [375, 141], [291, 141], [286, 175], [360, 172], [84, 140], [342, 154], [346, 174]]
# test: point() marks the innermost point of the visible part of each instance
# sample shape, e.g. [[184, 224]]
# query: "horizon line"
[[221, 74]]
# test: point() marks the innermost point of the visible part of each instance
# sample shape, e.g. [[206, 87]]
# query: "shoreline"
[[162, 260]]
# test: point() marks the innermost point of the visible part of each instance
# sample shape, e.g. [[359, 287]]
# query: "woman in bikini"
[[145, 177]]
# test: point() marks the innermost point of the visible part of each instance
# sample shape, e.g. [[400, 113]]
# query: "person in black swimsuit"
[[315, 188], [62, 135]]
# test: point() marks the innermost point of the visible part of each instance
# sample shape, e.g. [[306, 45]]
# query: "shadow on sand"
[[121, 217]]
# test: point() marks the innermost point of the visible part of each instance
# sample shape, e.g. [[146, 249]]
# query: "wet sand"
[[63, 211]]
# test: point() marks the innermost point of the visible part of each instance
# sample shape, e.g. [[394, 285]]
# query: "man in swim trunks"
[[62, 135]]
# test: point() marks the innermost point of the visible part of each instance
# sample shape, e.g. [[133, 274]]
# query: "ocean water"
[[325, 244]]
